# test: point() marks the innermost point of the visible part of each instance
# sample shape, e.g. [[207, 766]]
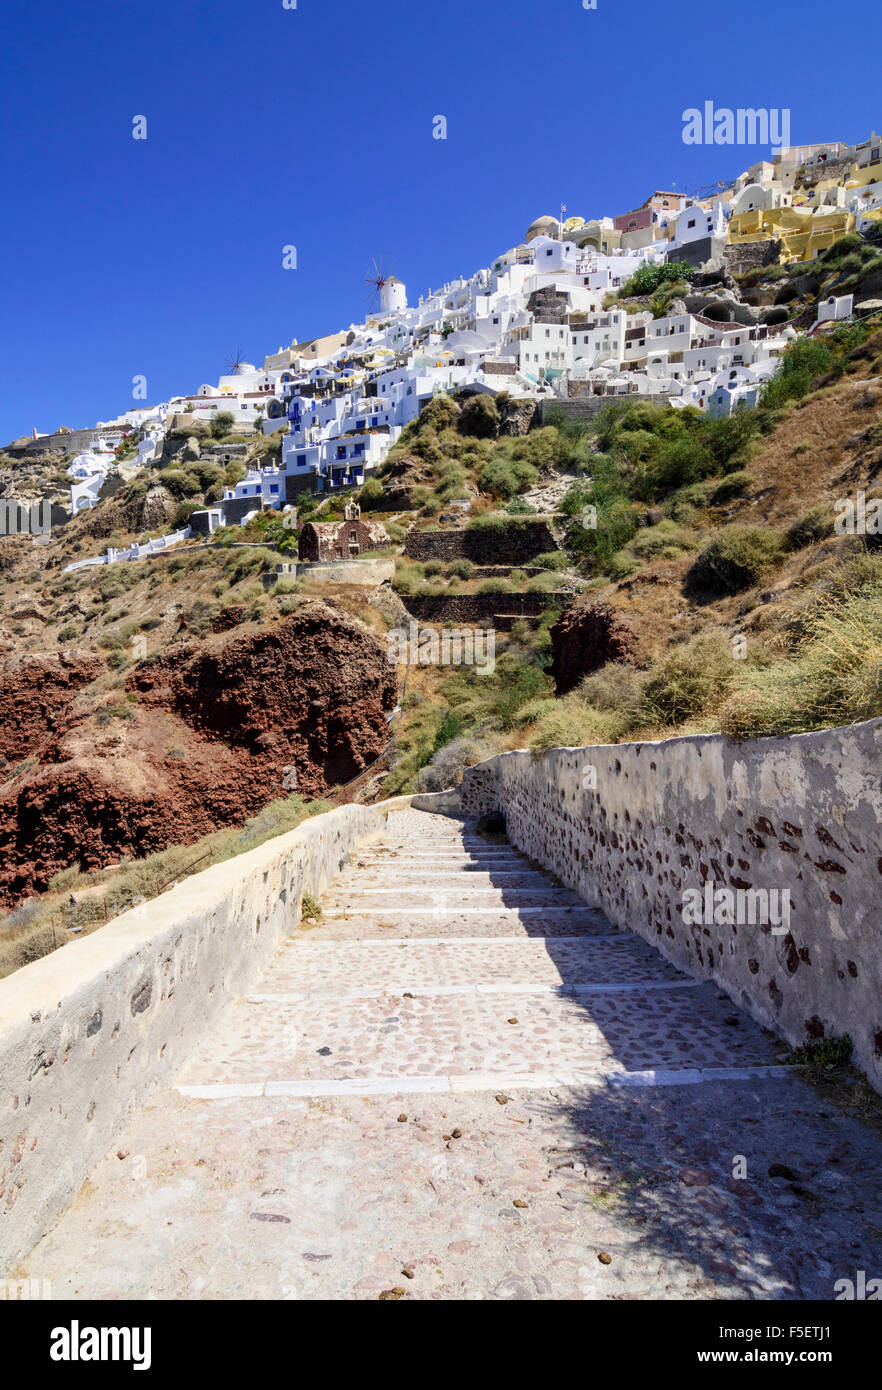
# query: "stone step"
[[394, 1036], [439, 881], [444, 899], [380, 854], [451, 924], [493, 1081], [521, 963], [282, 1198]]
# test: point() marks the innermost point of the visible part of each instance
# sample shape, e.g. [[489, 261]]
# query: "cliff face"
[[36, 698], [203, 737], [585, 637], [311, 691]]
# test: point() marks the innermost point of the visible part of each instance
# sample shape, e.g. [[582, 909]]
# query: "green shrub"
[[649, 277], [479, 417], [371, 492], [735, 560], [545, 583], [688, 679], [813, 526], [222, 424], [836, 676], [569, 725], [664, 541], [551, 560], [731, 486], [503, 477], [461, 568]]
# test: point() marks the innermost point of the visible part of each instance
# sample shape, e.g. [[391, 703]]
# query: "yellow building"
[[803, 232], [859, 178]]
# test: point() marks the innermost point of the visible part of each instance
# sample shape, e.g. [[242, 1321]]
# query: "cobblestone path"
[[465, 1083]]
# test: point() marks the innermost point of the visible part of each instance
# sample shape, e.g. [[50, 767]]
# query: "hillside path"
[[466, 1083]]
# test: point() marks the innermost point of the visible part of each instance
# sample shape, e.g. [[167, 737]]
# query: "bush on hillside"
[[648, 278], [371, 491], [222, 424], [445, 771], [688, 679], [503, 477], [479, 417], [735, 560], [813, 526]]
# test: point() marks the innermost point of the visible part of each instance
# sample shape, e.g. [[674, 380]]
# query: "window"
[[274, 487], [692, 223]]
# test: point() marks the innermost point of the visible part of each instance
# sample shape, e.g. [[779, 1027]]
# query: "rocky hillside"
[[100, 767]]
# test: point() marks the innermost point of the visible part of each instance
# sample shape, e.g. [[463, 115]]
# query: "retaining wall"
[[86, 1031], [477, 609], [514, 543], [802, 814]]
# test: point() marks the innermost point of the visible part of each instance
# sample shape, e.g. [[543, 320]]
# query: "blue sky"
[[312, 127]]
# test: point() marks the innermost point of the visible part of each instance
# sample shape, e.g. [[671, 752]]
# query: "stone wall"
[[697, 253], [742, 256], [86, 1031], [801, 814], [480, 609], [514, 543], [363, 572], [582, 405]]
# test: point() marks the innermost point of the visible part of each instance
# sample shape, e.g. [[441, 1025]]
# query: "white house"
[[836, 307]]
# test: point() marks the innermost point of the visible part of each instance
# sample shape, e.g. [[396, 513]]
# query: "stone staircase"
[[464, 1082]]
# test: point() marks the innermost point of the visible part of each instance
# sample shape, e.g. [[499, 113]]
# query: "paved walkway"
[[464, 1083]]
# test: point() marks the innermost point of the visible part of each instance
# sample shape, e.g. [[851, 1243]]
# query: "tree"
[[222, 424]]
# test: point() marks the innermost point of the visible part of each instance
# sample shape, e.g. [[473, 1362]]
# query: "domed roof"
[[541, 227]]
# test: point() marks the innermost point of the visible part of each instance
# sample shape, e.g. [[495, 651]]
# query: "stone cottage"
[[341, 540]]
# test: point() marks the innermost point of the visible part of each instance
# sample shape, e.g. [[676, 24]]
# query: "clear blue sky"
[[313, 127]]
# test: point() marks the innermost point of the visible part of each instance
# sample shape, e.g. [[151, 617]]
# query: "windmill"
[[378, 277], [235, 363]]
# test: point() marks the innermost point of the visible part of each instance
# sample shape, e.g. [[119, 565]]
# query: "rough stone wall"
[[475, 608], [743, 256], [802, 814], [580, 404], [513, 544], [86, 1031]]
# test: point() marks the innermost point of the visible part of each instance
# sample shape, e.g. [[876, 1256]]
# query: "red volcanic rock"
[[210, 738], [36, 698], [585, 637]]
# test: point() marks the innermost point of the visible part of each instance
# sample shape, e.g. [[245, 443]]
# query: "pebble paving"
[[464, 1083]]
